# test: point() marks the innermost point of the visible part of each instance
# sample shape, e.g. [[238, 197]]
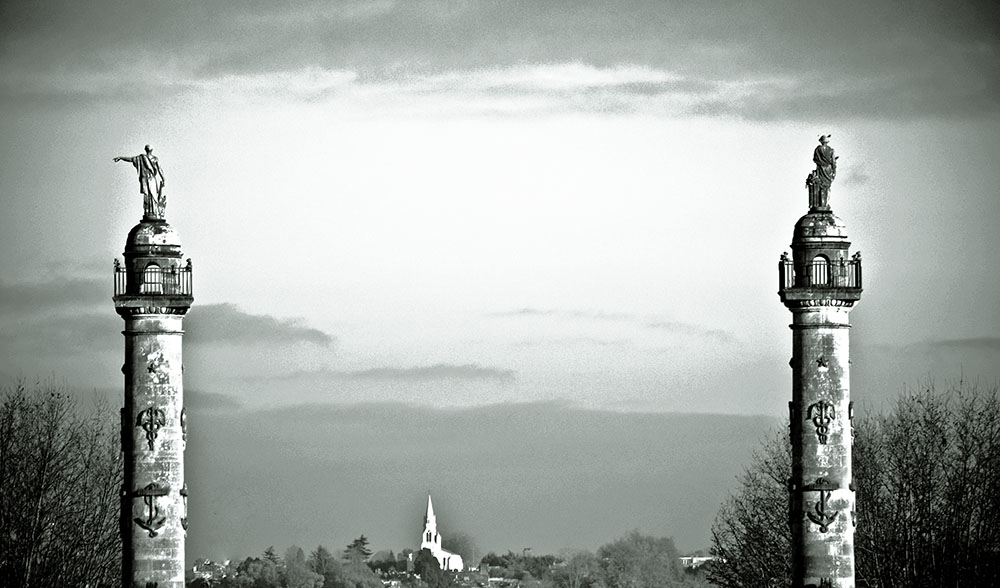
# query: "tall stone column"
[[152, 294], [820, 284]]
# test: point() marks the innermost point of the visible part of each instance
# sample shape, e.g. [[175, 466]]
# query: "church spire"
[[429, 518], [430, 539]]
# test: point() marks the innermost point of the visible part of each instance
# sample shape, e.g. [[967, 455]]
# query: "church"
[[431, 539]]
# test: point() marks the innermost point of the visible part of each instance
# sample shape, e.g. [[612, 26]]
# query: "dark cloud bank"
[[655, 323], [224, 323], [68, 327], [852, 58], [418, 374], [542, 474]]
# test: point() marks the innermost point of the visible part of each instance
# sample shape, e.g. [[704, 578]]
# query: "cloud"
[[57, 317], [201, 401], [522, 312], [57, 336], [969, 343], [283, 16], [578, 314], [62, 321], [574, 314], [572, 342], [682, 328], [755, 61], [57, 294], [503, 473], [432, 373], [886, 369], [224, 323], [653, 323], [855, 176], [306, 83]]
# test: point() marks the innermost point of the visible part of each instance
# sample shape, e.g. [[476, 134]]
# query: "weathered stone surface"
[[154, 507], [820, 295]]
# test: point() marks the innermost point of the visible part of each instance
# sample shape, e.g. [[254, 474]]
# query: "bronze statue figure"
[[154, 202], [821, 178]]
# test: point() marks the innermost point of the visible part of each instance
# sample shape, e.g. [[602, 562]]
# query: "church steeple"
[[429, 518], [431, 536], [430, 539]]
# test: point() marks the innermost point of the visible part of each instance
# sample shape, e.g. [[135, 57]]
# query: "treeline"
[[927, 474], [321, 569], [634, 561], [61, 472]]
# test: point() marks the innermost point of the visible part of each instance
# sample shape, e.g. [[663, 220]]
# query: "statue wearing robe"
[[826, 163], [154, 201], [821, 178]]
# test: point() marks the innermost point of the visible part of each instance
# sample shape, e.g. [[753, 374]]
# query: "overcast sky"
[[443, 209]]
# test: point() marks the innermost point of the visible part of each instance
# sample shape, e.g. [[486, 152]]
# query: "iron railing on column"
[[820, 274], [154, 280]]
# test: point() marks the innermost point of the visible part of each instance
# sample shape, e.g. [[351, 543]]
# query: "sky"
[[435, 241]]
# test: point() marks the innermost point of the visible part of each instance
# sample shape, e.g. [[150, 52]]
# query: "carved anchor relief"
[[151, 420], [822, 414], [850, 416], [823, 516], [153, 520], [184, 494]]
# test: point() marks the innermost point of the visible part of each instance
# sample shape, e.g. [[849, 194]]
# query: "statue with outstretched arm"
[[151, 183]]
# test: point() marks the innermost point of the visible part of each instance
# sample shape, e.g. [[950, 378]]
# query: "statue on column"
[[154, 199], [821, 178]]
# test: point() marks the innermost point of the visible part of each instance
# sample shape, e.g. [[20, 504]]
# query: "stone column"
[[152, 295], [820, 285], [822, 492]]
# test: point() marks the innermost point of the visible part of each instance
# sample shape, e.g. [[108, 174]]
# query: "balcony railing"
[[154, 281], [820, 274]]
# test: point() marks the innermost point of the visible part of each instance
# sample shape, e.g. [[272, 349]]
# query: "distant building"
[[695, 561], [210, 570], [431, 539]]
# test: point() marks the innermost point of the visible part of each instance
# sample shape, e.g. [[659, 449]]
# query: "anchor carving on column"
[[823, 516], [184, 495], [151, 420], [153, 521], [822, 414]]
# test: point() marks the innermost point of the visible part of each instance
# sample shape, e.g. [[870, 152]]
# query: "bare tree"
[[60, 478], [926, 474], [928, 506], [751, 537]]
